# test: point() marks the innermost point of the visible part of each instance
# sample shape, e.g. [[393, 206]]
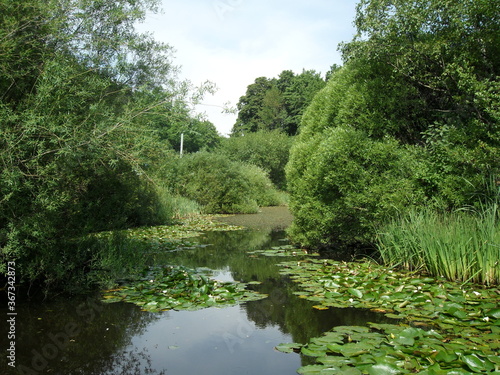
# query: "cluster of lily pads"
[[283, 251], [176, 237], [442, 327], [180, 288]]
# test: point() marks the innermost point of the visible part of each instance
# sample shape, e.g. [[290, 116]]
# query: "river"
[[87, 337]]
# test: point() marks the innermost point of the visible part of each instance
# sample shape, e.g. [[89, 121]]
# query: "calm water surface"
[[85, 336]]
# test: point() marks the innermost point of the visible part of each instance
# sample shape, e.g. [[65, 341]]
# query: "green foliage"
[[460, 245], [180, 288], [343, 184], [220, 185], [422, 77], [170, 120], [268, 150], [457, 314], [250, 104], [198, 135], [80, 91], [271, 103]]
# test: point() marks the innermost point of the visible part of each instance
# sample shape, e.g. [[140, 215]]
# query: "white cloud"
[[232, 42]]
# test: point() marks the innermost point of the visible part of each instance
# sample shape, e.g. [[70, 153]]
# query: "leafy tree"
[[297, 96], [422, 77], [448, 52], [76, 133], [268, 150], [332, 70], [198, 134], [272, 113], [448, 55], [221, 185], [250, 105], [277, 103], [345, 184]]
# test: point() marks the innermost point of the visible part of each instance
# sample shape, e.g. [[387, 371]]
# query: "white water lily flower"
[[486, 319], [477, 294]]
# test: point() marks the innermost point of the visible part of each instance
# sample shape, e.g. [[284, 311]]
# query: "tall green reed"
[[463, 245]]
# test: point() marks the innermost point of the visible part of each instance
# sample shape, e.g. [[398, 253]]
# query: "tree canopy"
[[420, 80], [277, 103], [81, 92]]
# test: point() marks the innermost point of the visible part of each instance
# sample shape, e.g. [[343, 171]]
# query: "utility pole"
[[182, 143]]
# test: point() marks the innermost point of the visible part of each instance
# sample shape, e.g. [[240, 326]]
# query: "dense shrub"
[[77, 88], [268, 150], [410, 119], [220, 185], [344, 184]]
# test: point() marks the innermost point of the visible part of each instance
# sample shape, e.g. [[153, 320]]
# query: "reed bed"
[[463, 245]]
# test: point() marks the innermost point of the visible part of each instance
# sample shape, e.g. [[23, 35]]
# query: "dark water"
[[85, 336]]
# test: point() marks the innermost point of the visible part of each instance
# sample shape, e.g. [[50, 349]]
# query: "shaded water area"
[[85, 336]]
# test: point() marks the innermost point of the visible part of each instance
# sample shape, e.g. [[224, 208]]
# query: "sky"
[[233, 42]]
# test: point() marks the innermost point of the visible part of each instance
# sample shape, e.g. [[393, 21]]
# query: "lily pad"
[[444, 328], [283, 251], [180, 288], [289, 348]]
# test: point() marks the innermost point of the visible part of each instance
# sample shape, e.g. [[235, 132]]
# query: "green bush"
[[343, 184], [408, 121], [220, 185], [268, 150]]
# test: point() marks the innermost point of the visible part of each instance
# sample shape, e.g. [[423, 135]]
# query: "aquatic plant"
[[180, 288], [441, 328], [461, 245], [283, 251]]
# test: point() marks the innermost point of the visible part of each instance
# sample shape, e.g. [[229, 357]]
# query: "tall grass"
[[463, 245]]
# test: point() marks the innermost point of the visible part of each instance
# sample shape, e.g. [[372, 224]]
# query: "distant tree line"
[[277, 103]]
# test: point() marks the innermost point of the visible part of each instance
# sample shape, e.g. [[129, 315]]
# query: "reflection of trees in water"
[[282, 309], [131, 362], [297, 317], [222, 249], [77, 336]]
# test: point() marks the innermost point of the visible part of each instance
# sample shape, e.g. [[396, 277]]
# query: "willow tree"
[[420, 83], [78, 86]]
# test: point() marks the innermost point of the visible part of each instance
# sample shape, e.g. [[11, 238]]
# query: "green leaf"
[[288, 348], [313, 370], [356, 293], [384, 369], [495, 313], [313, 353], [477, 364]]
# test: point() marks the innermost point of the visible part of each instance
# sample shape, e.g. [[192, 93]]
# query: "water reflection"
[[215, 341], [87, 337], [78, 336]]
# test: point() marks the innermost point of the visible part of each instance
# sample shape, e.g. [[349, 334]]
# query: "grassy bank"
[[463, 245]]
